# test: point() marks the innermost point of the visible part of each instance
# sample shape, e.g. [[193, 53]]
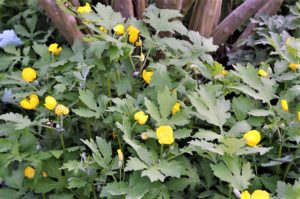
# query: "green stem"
[[94, 192], [62, 142], [161, 151], [230, 192], [255, 166], [279, 150], [109, 88], [147, 55], [175, 156], [132, 64], [288, 167], [88, 129], [43, 195]]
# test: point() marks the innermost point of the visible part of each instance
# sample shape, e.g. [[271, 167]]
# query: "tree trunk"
[[206, 15], [270, 8], [168, 4], [125, 7], [139, 8], [235, 19], [186, 5], [65, 23]]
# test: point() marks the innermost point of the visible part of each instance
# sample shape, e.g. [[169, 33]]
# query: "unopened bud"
[[144, 136], [193, 66], [237, 193]]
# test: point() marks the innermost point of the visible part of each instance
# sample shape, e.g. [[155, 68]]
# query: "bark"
[[186, 6], [235, 19], [270, 8], [65, 23], [139, 8], [125, 7], [167, 4], [206, 15]]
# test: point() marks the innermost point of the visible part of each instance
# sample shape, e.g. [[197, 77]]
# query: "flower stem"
[[161, 151], [62, 142]]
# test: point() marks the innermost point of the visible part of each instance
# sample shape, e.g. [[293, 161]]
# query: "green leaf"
[[207, 146], [46, 184], [85, 113], [153, 174], [256, 87], [164, 20], [234, 171], [260, 112], [10, 193], [107, 16], [114, 189], [232, 145], [241, 105], [61, 196], [134, 164], [288, 191], [87, 97], [170, 169], [19, 121], [209, 106], [152, 110], [240, 127], [166, 101], [74, 182]]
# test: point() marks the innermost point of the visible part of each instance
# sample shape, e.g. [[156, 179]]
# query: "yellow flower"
[[299, 116], [114, 135], [293, 66], [260, 194], [141, 117], [50, 102], [119, 29], [147, 75], [262, 73], [61, 110], [165, 135], [54, 49], [30, 103], [284, 105], [252, 137], [29, 172], [120, 155], [133, 34], [28, 74], [84, 9], [44, 174], [103, 29], [138, 43], [245, 195], [176, 108], [224, 73], [144, 136], [142, 57]]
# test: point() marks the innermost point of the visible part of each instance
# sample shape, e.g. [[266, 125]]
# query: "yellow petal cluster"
[[293, 66], [29, 172], [61, 110], [142, 57], [103, 29], [30, 103], [50, 102], [298, 116], [44, 174], [223, 73], [165, 135], [141, 117], [84, 9], [54, 49], [284, 105], [257, 194], [120, 155], [119, 29], [133, 34], [147, 76], [176, 108], [139, 42], [252, 137], [28, 74], [262, 73]]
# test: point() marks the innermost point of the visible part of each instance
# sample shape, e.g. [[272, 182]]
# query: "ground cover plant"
[[126, 112]]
